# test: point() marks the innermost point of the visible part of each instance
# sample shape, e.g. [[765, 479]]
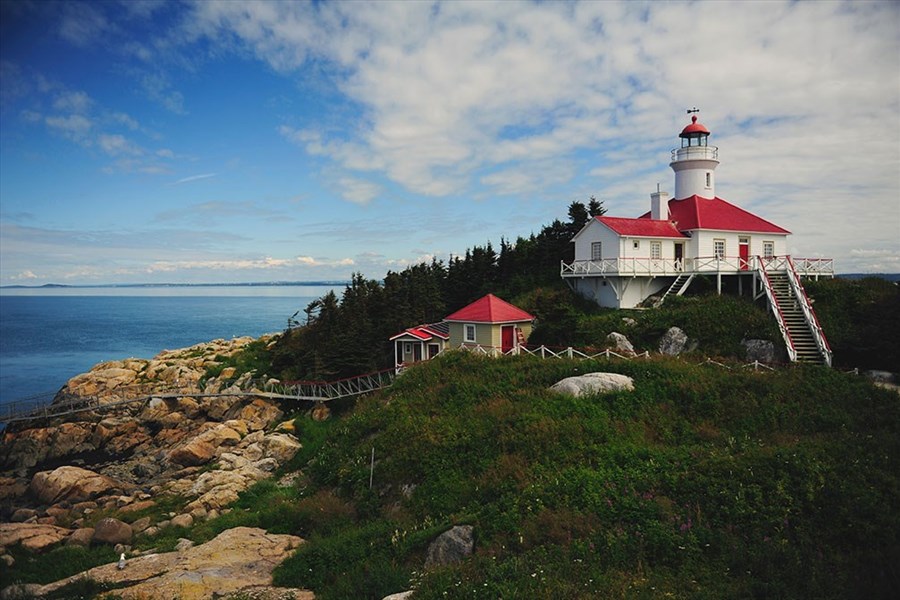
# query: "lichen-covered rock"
[[673, 342], [112, 531], [763, 351], [81, 537], [32, 536], [72, 484], [451, 546], [620, 344], [593, 383], [194, 453], [236, 560], [280, 446]]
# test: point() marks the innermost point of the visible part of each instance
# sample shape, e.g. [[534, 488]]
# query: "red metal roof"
[[695, 212], [641, 227], [423, 333], [694, 128], [490, 309]]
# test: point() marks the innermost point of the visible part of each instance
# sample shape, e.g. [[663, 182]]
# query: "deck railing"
[[656, 267]]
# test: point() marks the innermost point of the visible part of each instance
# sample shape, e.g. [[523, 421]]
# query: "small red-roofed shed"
[[490, 323]]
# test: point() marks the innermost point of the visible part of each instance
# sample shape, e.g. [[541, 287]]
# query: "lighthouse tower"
[[695, 163]]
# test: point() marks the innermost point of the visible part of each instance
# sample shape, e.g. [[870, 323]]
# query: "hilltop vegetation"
[[348, 335], [702, 483]]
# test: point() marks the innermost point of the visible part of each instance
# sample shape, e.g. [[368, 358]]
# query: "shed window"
[[768, 249], [469, 334], [596, 250], [656, 250], [637, 245], [407, 347]]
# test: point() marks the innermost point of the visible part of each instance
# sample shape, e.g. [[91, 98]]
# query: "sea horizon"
[[177, 284], [48, 335]]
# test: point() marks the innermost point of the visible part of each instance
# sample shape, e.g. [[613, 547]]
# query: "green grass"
[[701, 483], [58, 563]]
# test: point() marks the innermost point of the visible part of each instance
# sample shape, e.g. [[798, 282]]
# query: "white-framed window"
[[719, 246], [596, 250], [768, 249], [656, 250], [469, 332], [407, 347], [636, 244]]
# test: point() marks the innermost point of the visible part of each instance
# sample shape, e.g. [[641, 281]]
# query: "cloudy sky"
[[258, 141]]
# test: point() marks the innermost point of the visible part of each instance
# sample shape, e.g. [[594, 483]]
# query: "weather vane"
[[693, 110]]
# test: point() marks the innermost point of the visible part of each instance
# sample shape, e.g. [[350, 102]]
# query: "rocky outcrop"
[[208, 449], [33, 536], [764, 351], [112, 531], [451, 546], [620, 344], [593, 383], [71, 484], [673, 342], [237, 561]]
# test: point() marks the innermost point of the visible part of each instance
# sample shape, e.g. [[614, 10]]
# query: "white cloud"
[[73, 102], [75, 127], [125, 120], [82, 23], [117, 145], [159, 89], [24, 275], [358, 191]]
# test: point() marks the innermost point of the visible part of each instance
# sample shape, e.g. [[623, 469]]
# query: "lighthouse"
[[695, 163]]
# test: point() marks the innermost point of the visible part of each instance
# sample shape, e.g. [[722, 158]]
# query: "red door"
[[744, 254], [507, 335]]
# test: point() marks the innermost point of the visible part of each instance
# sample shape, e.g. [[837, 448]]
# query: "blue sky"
[[259, 141]]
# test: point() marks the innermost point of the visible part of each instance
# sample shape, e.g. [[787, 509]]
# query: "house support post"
[[719, 282]]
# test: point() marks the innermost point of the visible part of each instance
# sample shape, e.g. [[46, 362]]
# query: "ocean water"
[[49, 336]]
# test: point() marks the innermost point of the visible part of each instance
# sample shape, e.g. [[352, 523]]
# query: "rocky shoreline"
[[102, 477]]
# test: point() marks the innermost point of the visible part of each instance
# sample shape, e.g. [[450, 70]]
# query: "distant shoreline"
[[52, 286]]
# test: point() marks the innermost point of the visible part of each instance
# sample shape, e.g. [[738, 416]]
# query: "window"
[[769, 250], [596, 253], [720, 248], [407, 348], [469, 335], [656, 250], [637, 244], [708, 179]]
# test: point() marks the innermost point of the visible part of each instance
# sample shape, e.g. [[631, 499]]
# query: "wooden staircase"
[[801, 330], [679, 286]]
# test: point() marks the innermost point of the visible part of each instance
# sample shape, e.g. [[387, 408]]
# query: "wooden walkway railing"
[[48, 406]]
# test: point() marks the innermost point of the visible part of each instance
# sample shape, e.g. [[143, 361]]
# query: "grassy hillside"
[[702, 483]]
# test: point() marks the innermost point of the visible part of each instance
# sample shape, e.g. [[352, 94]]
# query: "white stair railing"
[[776, 308], [808, 313]]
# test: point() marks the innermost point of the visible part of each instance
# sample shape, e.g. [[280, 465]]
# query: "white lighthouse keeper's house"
[[621, 262]]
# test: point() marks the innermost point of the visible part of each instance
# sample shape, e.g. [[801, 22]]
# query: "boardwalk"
[[44, 407]]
